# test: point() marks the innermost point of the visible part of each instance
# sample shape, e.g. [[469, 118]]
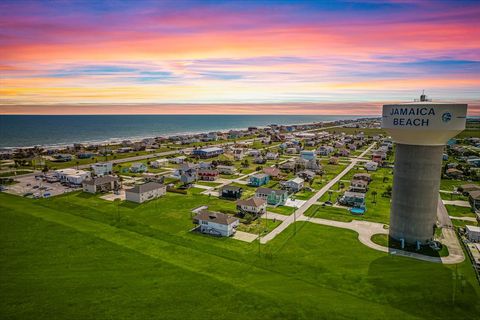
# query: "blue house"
[[208, 152], [259, 179], [138, 167]]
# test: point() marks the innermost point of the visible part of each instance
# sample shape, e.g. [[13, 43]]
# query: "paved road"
[[442, 215], [300, 211]]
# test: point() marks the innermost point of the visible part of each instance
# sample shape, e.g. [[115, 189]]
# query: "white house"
[[473, 233], [238, 154], [216, 223], [371, 166], [295, 184], [226, 169], [158, 163], [252, 205], [102, 169], [144, 192], [72, 176], [177, 160]]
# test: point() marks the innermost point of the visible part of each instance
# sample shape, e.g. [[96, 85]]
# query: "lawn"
[[457, 211], [386, 241], [282, 210], [76, 256], [259, 226], [328, 212], [13, 173]]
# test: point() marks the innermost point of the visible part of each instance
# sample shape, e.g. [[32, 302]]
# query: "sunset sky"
[[267, 57]]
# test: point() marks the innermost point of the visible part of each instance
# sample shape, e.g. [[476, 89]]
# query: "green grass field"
[[76, 256]]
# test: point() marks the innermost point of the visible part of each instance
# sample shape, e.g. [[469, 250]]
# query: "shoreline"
[[116, 141]]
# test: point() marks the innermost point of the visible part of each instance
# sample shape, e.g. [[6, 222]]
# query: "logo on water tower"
[[447, 116]]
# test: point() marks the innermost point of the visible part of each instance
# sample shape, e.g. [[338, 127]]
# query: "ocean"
[[58, 130]]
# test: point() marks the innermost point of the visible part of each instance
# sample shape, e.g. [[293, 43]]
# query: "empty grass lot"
[[77, 256]]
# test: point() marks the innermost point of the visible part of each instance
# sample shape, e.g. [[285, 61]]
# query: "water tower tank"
[[420, 130]]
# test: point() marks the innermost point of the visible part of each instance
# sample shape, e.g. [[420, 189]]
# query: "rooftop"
[[141, 188], [217, 217]]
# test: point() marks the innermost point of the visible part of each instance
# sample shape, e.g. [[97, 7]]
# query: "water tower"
[[420, 129]]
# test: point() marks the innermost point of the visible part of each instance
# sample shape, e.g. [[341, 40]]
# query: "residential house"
[[177, 160], [306, 175], [272, 172], [467, 188], [101, 184], [231, 192], [188, 173], [271, 156], [252, 205], [259, 179], [272, 196], [474, 199], [325, 150], [287, 166], [102, 169], [371, 166], [207, 174], [207, 152], [362, 176], [344, 153], [259, 160], [454, 173], [226, 169], [333, 160], [358, 186], [216, 223], [295, 184], [307, 155], [353, 199], [138, 167], [158, 163], [473, 233], [144, 192], [238, 154]]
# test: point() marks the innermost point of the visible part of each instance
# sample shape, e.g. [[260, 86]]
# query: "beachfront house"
[[101, 184], [205, 153], [259, 179], [231, 192], [216, 223], [102, 169], [272, 196], [145, 192]]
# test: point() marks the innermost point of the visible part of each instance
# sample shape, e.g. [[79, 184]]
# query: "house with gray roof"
[[145, 192]]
